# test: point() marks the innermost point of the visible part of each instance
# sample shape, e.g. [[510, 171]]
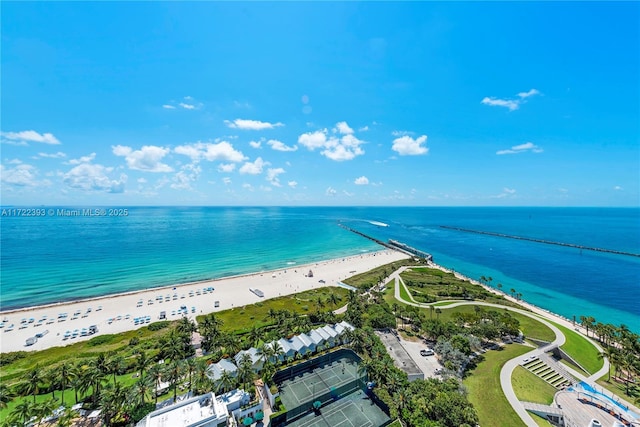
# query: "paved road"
[[509, 366]]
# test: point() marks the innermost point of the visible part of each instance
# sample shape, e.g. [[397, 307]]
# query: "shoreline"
[[116, 313], [548, 314]]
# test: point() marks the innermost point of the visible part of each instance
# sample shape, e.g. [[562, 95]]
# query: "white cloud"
[[363, 129], [511, 104], [407, 146], [147, 159], [494, 102], [528, 94], [26, 136], [506, 192], [343, 128], [15, 162], [346, 193], [254, 168], [187, 106], [91, 177], [251, 124], [272, 176], [255, 144], [522, 148], [227, 167], [22, 175], [141, 181], [221, 151], [226, 180], [182, 179], [401, 133], [363, 180], [280, 146], [57, 155], [618, 188], [83, 159], [330, 191], [292, 184], [339, 149], [169, 107]]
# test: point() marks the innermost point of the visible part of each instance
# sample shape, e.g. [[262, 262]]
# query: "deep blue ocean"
[[57, 258]]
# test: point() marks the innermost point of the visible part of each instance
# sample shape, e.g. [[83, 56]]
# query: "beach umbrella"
[[259, 416], [247, 421], [317, 404]]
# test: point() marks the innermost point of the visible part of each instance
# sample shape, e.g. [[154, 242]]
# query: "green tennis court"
[[353, 410], [304, 388]]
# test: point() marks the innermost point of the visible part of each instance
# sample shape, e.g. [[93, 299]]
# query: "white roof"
[[297, 344], [216, 370], [190, 412], [329, 330], [316, 337], [306, 340], [324, 334], [286, 347], [252, 352]]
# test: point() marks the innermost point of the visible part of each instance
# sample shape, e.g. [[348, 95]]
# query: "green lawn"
[[371, 278], [530, 388], [83, 349], [404, 293], [485, 391], [581, 350], [242, 319]]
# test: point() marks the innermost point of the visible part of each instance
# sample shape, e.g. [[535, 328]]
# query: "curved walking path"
[[510, 365]]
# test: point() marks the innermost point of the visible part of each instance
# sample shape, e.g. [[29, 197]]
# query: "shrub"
[[8, 358], [156, 326], [101, 339]]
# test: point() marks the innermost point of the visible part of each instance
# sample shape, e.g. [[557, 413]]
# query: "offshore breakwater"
[[546, 242]]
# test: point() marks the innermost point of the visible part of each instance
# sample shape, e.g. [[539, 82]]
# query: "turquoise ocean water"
[[56, 258]]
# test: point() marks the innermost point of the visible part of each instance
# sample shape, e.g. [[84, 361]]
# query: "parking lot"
[[427, 364]]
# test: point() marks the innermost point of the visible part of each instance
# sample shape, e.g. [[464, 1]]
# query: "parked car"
[[426, 352]]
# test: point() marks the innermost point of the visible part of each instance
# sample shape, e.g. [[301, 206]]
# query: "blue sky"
[[452, 104]]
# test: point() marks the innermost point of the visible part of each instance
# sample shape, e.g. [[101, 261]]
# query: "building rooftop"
[[191, 412]]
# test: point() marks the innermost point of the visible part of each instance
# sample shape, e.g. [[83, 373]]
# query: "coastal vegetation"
[[621, 347]]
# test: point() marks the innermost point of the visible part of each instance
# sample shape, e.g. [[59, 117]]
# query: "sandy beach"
[[122, 312]]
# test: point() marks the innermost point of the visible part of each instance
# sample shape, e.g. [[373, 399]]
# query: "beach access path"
[[122, 312]]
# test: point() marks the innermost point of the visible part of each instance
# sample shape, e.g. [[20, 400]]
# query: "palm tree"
[[500, 287], [202, 380], [44, 409], [155, 375], [32, 381], [438, 311], [114, 365], [66, 374], [24, 411], [6, 395], [112, 401], [141, 390], [245, 370], [513, 292], [608, 353], [51, 377], [143, 362], [225, 382], [190, 366], [254, 336], [334, 299], [278, 352], [174, 372]]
